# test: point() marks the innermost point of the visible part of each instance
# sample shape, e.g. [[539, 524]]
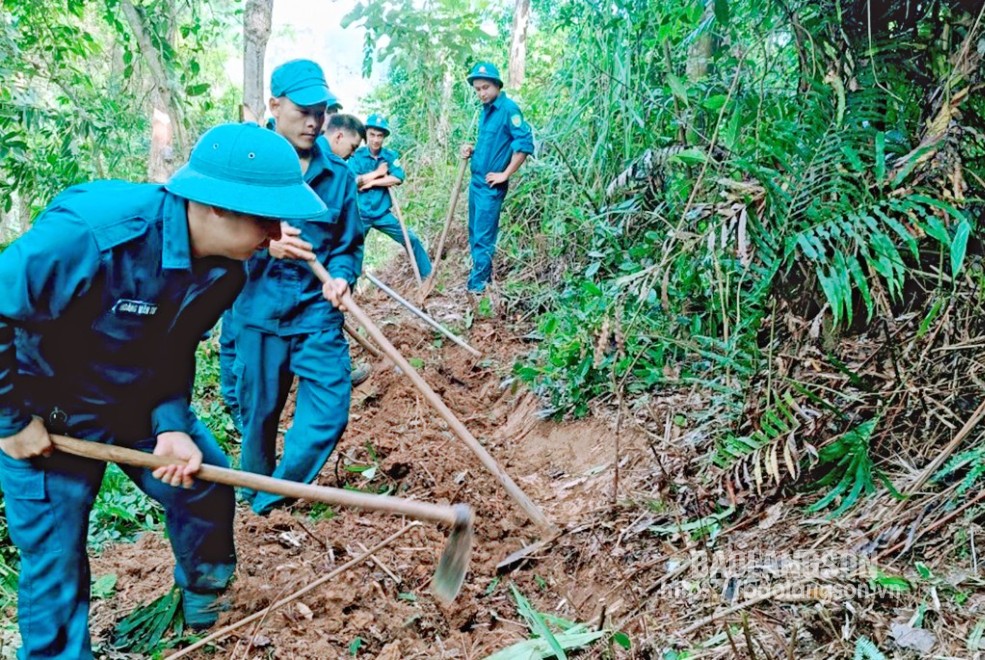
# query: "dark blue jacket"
[[502, 131], [374, 203], [282, 296], [101, 309]]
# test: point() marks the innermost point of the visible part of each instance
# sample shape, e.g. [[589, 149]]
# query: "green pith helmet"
[[378, 122], [247, 169], [485, 70]]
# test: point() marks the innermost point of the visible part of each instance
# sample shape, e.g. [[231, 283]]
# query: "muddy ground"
[[623, 493], [566, 469]]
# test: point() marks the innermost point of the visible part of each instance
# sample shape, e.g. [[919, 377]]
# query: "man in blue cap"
[[286, 327], [104, 301], [503, 145], [227, 339], [377, 169]]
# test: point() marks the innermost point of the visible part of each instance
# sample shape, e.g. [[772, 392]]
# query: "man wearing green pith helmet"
[[504, 142], [377, 169], [105, 300]]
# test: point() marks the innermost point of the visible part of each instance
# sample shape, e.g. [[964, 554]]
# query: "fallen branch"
[[297, 594]]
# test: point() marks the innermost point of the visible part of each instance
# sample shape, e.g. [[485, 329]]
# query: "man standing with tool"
[[377, 170], [227, 338], [287, 328], [503, 144], [105, 300]]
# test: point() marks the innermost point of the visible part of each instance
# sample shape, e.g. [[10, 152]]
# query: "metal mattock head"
[[450, 575]]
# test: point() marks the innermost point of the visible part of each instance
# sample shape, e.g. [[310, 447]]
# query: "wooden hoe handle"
[[414, 509]]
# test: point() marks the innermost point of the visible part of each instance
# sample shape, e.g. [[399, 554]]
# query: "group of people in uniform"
[[108, 294]]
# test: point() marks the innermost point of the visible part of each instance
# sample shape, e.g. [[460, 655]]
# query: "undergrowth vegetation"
[[772, 203]]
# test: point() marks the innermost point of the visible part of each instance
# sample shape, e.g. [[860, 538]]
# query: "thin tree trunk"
[[167, 135], [700, 53], [256, 32], [443, 133], [518, 43]]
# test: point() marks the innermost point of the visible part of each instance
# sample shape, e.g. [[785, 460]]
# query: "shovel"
[[532, 510]]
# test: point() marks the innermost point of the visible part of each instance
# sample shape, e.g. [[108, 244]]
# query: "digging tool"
[[421, 315], [403, 228], [448, 577], [531, 509], [429, 282]]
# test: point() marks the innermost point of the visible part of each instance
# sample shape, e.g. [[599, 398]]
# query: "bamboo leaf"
[[677, 88], [958, 246], [537, 623]]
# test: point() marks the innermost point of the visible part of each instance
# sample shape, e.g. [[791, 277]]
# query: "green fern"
[[972, 462], [852, 474], [865, 649], [774, 425]]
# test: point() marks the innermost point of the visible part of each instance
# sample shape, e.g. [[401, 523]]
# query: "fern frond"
[[865, 649]]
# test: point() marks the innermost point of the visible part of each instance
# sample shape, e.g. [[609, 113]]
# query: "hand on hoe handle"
[[30, 441], [290, 245]]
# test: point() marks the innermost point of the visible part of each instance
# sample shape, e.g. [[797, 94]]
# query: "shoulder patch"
[[516, 120]]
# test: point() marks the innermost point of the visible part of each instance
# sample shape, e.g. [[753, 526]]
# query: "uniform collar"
[[321, 158], [176, 253], [497, 102]]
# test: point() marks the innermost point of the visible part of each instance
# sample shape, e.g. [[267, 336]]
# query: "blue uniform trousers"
[[48, 503], [227, 364], [390, 226], [320, 360], [485, 204]]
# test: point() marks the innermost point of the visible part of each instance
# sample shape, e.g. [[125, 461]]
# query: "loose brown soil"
[[623, 493]]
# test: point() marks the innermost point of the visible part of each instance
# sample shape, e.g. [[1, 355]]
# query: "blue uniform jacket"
[[101, 309], [502, 131], [282, 296], [375, 202]]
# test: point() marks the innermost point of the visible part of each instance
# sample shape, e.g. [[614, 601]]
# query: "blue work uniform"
[[101, 311], [375, 203], [502, 132], [286, 328], [227, 364]]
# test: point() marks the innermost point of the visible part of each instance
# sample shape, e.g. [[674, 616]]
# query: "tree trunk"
[[256, 32], [518, 43], [167, 135], [701, 50]]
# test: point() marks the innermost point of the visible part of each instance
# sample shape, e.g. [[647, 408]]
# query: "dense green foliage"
[[75, 99], [710, 176]]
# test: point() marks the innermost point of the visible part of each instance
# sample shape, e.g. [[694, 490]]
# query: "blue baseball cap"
[[332, 104], [378, 122], [247, 169], [302, 81], [485, 70]]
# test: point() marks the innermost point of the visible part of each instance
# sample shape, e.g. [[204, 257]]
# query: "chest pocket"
[[130, 321]]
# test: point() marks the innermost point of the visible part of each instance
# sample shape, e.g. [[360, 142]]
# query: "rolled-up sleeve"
[[520, 133], [393, 162], [41, 273]]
